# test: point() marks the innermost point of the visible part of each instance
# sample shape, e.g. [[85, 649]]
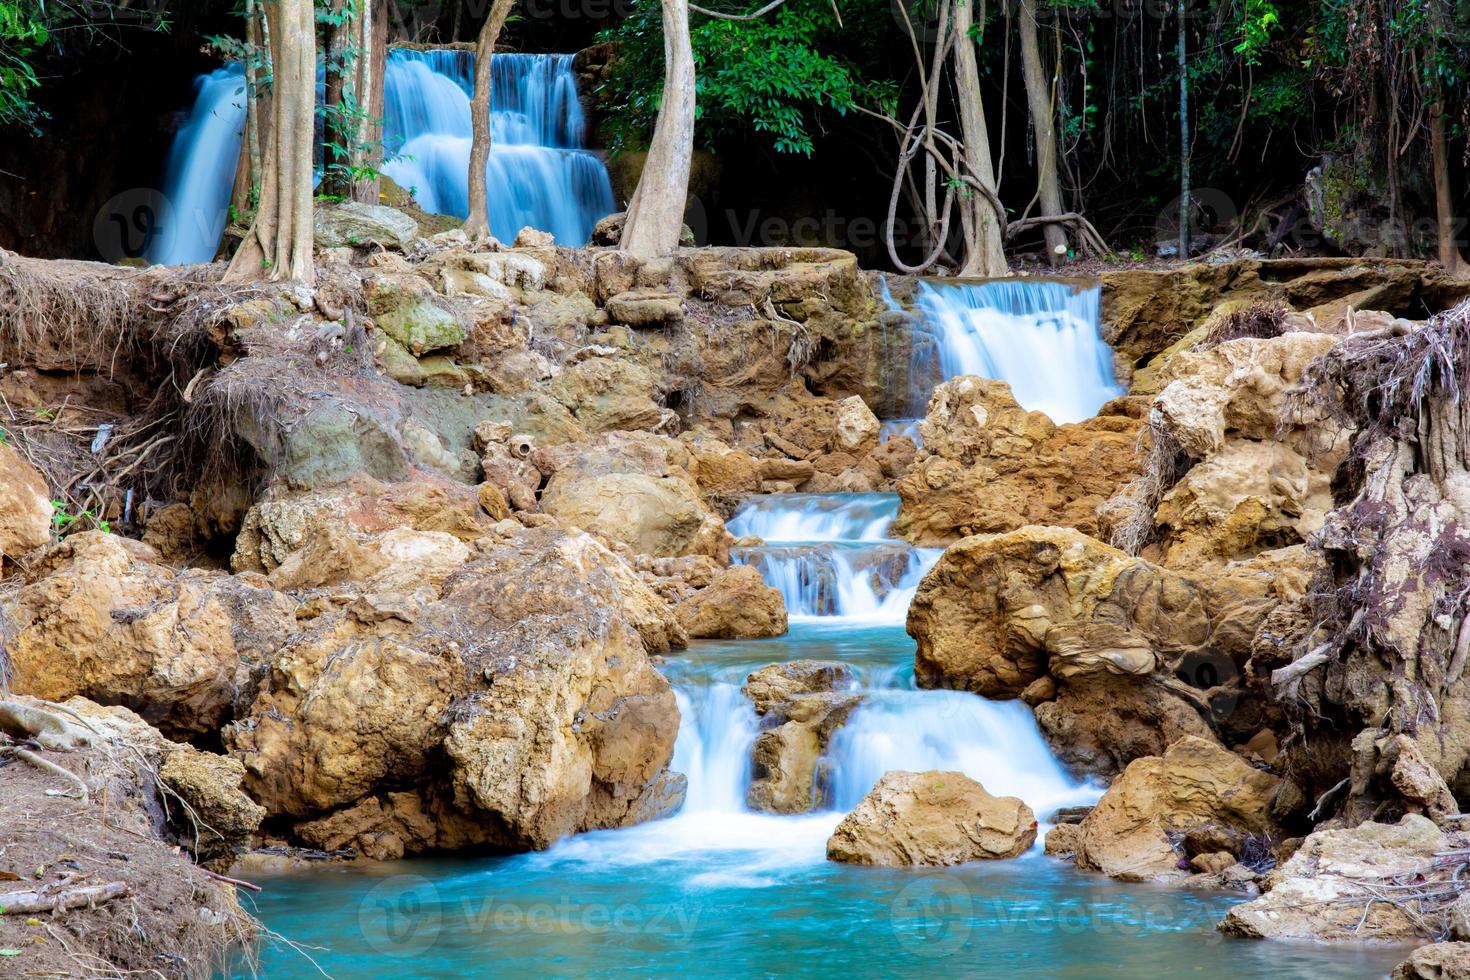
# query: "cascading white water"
[[540, 174], [831, 554], [200, 171], [1042, 338]]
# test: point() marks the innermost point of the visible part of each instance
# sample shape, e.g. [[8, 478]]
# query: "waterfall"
[[200, 172], [540, 174], [1042, 338], [830, 555]]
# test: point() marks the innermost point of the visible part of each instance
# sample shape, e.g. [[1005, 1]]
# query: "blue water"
[[718, 894]]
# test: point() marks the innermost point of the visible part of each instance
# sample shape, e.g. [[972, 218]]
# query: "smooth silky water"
[[540, 173], [718, 890]]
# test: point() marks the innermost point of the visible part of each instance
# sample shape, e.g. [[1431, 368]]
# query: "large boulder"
[[353, 224], [1195, 783], [801, 704], [987, 465], [1333, 887], [932, 818], [998, 611], [525, 672], [737, 605], [633, 488], [1437, 961], [609, 393], [25, 505], [100, 616]]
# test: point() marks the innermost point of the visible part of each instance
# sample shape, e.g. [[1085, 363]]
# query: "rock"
[[99, 616], [224, 817], [857, 426], [988, 466], [609, 393], [1330, 888], [998, 610], [1437, 961], [524, 677], [801, 704], [1195, 782], [1100, 725], [406, 310], [646, 308], [1211, 863], [931, 818], [738, 605], [363, 225], [1061, 840], [25, 505], [534, 238]]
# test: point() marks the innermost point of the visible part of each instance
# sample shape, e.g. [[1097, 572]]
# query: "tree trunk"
[[477, 225], [257, 109], [655, 220], [278, 244], [372, 65], [1185, 211], [1043, 122], [1444, 200], [985, 255], [338, 128]]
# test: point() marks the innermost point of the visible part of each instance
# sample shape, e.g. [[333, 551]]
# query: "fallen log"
[[38, 900]]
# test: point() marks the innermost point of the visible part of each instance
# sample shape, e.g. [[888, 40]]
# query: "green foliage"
[[63, 521], [22, 33], [773, 76]]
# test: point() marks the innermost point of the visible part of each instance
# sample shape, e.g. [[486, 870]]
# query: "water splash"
[[540, 174], [1042, 338]]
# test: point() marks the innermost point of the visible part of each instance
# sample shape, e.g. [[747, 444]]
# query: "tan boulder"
[[801, 705], [1194, 782], [224, 818], [857, 426], [993, 467], [737, 605], [1331, 888], [1061, 840], [998, 610], [1100, 725], [1437, 961], [100, 616], [25, 505], [608, 393], [931, 818]]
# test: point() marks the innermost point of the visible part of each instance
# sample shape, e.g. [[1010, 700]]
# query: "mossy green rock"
[[409, 315]]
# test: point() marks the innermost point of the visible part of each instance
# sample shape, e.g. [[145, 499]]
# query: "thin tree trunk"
[[1444, 201], [337, 128], [1185, 211], [477, 225], [247, 170], [278, 244], [986, 255], [1043, 122], [372, 65], [655, 220]]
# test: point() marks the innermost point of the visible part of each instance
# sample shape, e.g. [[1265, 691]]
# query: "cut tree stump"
[[39, 900]]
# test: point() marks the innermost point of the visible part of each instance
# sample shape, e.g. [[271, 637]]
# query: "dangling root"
[[48, 766]]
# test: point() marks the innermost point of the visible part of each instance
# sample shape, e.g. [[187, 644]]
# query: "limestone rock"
[[738, 605], [99, 616], [224, 817], [1330, 887], [646, 308], [609, 393], [25, 505], [405, 309], [1061, 840], [1194, 782], [354, 224], [998, 609], [1437, 961], [931, 818], [857, 426], [801, 704]]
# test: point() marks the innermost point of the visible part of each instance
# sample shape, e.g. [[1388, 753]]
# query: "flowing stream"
[[540, 174], [718, 890]]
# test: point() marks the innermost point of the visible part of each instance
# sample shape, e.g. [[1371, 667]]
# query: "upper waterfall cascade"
[[540, 174]]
